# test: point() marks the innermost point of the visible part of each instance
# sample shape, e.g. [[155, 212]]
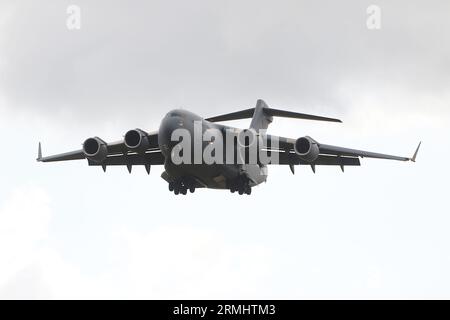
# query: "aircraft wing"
[[114, 148], [117, 154], [330, 155]]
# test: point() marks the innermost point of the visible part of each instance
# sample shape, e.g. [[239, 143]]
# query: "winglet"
[[39, 158], [413, 159], [291, 166]]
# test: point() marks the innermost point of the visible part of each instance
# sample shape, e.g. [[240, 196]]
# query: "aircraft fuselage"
[[217, 176]]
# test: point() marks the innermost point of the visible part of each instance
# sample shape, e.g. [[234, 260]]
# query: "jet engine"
[[307, 148], [95, 149], [137, 140]]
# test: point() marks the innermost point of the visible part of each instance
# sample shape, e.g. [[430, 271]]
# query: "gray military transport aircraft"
[[157, 148]]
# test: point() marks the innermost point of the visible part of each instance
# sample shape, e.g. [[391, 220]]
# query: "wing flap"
[[323, 160], [152, 158]]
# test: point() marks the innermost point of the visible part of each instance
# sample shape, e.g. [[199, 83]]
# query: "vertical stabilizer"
[[260, 119]]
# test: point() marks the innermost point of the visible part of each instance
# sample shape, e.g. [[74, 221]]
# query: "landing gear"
[[181, 186], [241, 185]]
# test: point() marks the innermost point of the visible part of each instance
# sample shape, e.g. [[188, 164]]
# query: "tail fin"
[[262, 116]]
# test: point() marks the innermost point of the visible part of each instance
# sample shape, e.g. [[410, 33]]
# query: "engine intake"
[[95, 149], [137, 140], [307, 149]]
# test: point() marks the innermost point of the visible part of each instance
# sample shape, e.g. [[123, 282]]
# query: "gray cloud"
[[141, 58]]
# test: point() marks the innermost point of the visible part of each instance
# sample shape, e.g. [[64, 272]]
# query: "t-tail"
[[262, 116]]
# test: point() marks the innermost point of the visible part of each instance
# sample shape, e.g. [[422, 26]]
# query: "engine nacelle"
[[307, 148], [137, 140], [95, 149]]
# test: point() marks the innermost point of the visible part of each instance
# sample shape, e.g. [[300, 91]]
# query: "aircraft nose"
[[168, 125]]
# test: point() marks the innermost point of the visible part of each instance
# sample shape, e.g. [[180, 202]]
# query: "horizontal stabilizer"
[[244, 114], [296, 115], [269, 112]]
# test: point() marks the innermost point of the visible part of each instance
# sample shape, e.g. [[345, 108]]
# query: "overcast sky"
[[377, 231]]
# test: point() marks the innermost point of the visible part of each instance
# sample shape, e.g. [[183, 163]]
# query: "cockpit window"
[[175, 114]]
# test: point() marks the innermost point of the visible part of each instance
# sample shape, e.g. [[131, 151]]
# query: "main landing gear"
[[181, 186], [241, 185]]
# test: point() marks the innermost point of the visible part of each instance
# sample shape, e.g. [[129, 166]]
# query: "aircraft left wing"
[[306, 150]]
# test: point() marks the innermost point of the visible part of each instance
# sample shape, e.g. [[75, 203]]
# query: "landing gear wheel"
[[249, 190], [181, 185]]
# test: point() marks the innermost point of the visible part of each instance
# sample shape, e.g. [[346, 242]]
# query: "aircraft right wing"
[[113, 148], [139, 148]]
